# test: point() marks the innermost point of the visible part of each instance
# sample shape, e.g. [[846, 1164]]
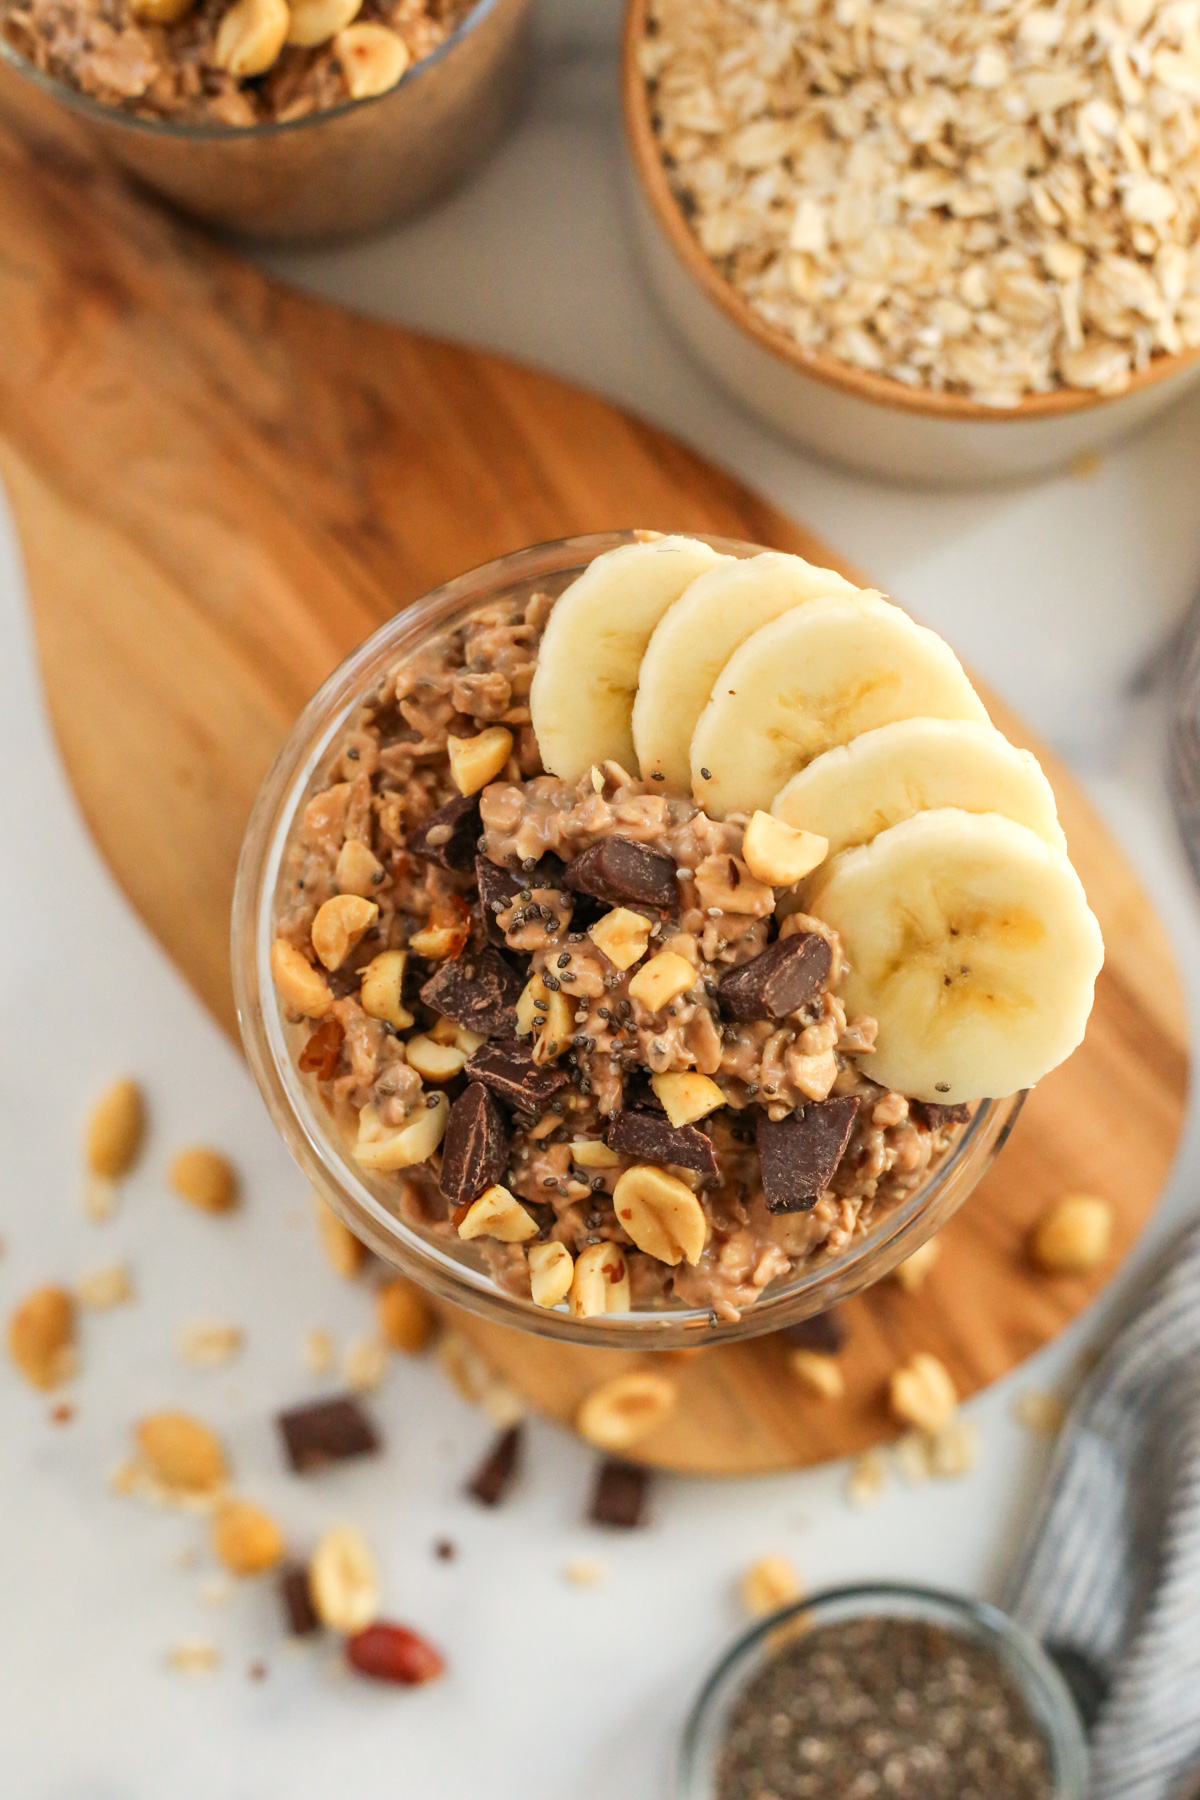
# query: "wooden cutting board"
[[220, 487]]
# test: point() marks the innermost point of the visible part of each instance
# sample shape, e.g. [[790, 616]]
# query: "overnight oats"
[[650, 943]]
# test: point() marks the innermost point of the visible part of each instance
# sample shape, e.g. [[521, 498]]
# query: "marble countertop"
[[1061, 594]]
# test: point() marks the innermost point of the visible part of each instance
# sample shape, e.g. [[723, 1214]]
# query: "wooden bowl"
[[871, 423]]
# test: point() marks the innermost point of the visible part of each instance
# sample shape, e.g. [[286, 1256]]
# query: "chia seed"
[[883, 1706]]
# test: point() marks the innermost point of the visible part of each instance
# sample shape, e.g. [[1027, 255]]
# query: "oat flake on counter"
[[990, 200]]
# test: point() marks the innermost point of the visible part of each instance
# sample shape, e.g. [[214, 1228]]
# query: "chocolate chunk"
[[329, 1431], [933, 1117], [299, 1613], [475, 1147], [449, 836], [479, 990], [779, 980], [825, 1332], [652, 1138], [496, 883], [620, 1495], [624, 872], [499, 1468], [510, 1071], [799, 1155]]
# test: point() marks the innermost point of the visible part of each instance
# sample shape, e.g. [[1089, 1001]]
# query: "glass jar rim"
[[328, 1165], [1041, 1686]]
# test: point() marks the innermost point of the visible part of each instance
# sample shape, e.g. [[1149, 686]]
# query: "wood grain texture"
[[221, 487]]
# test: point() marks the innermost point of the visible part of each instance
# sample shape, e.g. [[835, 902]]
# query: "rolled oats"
[[207, 1343], [984, 200]]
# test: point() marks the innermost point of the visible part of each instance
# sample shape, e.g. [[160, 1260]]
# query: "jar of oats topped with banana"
[[649, 939]]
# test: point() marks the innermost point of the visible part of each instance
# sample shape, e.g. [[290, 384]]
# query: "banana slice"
[[694, 640], [581, 700], [851, 794], [971, 942], [814, 678]]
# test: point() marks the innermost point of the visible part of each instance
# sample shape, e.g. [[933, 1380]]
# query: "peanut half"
[[343, 1251], [413, 1142], [300, 986], [589, 1153], [183, 1454], [768, 1584], [315, 22], [661, 1214], [1073, 1236], [617, 1414], [546, 1014], [405, 1321], [115, 1130], [250, 37], [343, 1580], [339, 926], [819, 1372], [922, 1393], [551, 1272], [434, 1061], [600, 1283], [358, 870], [498, 1214], [912, 1271], [41, 1337], [246, 1539], [205, 1179], [383, 987]]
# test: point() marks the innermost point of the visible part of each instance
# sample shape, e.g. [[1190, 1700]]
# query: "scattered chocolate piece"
[[621, 871], [449, 836], [799, 1154], [299, 1613], [499, 1468], [445, 1550], [779, 980], [328, 1431], [620, 1495], [652, 1138], [825, 1332], [479, 990], [510, 1071], [475, 1147], [497, 883], [933, 1117]]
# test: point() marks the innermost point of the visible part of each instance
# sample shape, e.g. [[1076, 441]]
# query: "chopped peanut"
[[922, 1393], [547, 1015], [600, 1283], [661, 1214], [358, 870], [498, 1214], [475, 761], [316, 21], [768, 1584], [687, 1096], [343, 1580], [623, 936], [250, 37], [662, 980], [590, 1153], [183, 1454], [912, 1271], [405, 1319], [343, 1251], [339, 926], [413, 1142], [820, 1373], [779, 854], [434, 1061], [246, 1539]]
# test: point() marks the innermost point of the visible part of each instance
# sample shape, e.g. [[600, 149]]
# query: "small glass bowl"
[[351, 168], [1037, 1680], [365, 1202]]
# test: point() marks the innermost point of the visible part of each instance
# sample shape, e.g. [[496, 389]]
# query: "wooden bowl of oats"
[[951, 246]]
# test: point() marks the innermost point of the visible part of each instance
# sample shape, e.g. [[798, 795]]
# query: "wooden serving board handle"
[[221, 486]]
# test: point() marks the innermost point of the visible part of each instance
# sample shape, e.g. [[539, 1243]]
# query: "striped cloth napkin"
[[1110, 1578]]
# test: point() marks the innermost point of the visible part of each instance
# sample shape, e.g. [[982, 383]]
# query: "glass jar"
[[332, 174], [365, 1202], [1035, 1677]]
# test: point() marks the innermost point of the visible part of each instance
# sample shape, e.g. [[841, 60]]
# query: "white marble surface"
[[1058, 593]]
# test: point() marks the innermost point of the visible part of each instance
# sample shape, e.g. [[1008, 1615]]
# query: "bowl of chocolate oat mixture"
[[649, 940], [280, 119], [863, 1692]]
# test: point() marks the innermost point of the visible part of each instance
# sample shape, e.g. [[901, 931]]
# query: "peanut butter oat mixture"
[[568, 1024], [228, 62]]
